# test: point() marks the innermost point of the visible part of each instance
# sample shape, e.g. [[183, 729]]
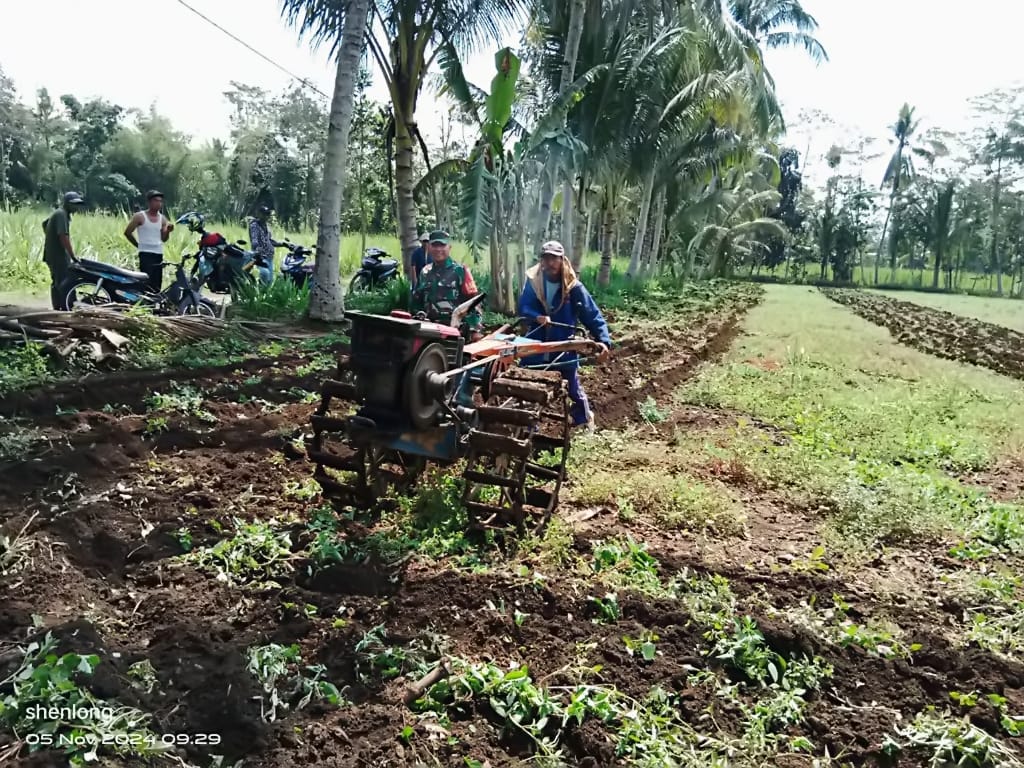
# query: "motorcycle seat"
[[99, 266], [379, 265]]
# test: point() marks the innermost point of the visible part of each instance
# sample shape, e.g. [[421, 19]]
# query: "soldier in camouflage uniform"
[[443, 285]]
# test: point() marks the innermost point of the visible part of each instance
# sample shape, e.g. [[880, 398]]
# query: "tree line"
[[947, 213], [273, 151], [634, 128]]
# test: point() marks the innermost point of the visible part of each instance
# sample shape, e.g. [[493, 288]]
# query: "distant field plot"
[[1006, 312]]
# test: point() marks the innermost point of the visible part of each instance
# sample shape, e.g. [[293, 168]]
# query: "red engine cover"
[[444, 330]]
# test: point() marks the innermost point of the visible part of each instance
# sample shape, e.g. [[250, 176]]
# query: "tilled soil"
[[106, 501], [939, 333]]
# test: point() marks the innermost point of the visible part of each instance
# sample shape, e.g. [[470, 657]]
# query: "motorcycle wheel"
[[360, 283], [84, 291], [205, 308]]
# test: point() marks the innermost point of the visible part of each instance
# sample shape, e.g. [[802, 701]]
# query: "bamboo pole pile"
[[104, 332]]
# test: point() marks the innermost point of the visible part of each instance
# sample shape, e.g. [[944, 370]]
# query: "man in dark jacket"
[[554, 301], [419, 258], [57, 251]]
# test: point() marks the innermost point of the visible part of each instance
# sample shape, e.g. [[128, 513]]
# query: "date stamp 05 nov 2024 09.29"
[[79, 738]]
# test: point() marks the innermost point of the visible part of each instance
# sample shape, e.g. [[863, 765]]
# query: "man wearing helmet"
[[57, 250], [262, 243], [154, 228], [553, 302]]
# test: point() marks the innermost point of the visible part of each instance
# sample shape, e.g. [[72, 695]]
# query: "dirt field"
[[680, 610], [941, 333]]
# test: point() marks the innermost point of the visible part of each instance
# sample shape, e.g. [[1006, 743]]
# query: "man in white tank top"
[[154, 228]]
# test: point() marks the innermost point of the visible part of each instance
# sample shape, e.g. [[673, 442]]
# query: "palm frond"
[[321, 20], [440, 173], [803, 40], [455, 82]]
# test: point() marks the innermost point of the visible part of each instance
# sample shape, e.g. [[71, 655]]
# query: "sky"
[[882, 53]]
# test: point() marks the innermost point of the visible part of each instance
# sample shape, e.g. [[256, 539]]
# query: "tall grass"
[[100, 236]]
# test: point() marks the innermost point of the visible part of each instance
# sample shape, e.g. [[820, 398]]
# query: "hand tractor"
[[422, 394]]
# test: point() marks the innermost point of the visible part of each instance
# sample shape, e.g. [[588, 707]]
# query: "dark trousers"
[[150, 264], [580, 410], [58, 274]]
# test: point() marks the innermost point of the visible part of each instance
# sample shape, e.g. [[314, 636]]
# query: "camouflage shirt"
[[439, 291]]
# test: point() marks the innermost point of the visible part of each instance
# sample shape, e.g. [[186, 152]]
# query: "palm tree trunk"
[[878, 253], [577, 12], [547, 195], [503, 280], [994, 254], [654, 257], [568, 215], [404, 182], [604, 274], [581, 248], [579, 237], [521, 204], [641, 224], [898, 165], [581, 233], [327, 302]]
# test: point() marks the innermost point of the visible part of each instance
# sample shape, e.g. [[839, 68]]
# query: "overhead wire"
[[262, 55]]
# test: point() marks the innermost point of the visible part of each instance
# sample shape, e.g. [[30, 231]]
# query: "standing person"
[[154, 228], [443, 285], [57, 251], [419, 258], [554, 299], [263, 244]]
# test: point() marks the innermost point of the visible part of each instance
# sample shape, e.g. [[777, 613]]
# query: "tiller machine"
[[405, 378]]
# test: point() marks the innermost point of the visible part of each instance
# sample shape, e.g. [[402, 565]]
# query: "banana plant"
[[489, 173]]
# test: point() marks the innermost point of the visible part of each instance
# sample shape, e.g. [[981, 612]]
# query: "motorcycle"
[[295, 267], [377, 268], [96, 283], [219, 262]]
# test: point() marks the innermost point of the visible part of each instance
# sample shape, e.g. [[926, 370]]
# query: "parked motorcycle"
[[295, 267], [96, 283], [219, 262], [376, 270]]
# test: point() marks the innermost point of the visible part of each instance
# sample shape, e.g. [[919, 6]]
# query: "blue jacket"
[[572, 303]]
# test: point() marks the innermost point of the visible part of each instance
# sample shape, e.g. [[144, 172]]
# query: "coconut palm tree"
[[767, 22], [901, 171], [567, 29], [1006, 145], [667, 76], [738, 225], [404, 39], [345, 29]]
